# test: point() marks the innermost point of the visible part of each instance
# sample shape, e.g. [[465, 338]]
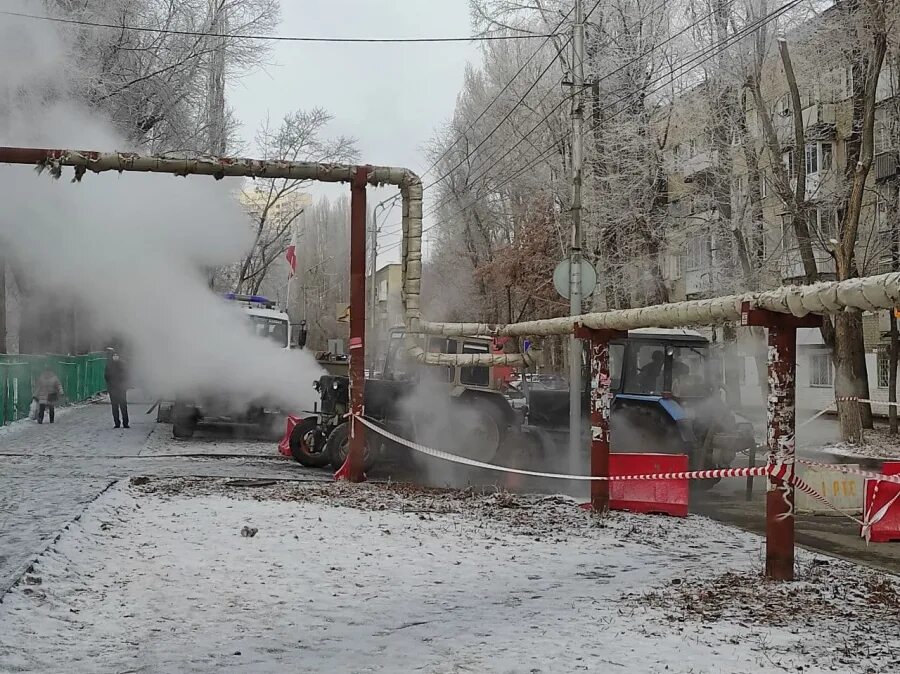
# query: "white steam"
[[130, 248]]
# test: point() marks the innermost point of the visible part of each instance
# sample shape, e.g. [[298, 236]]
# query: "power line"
[[700, 57], [630, 62], [519, 102], [703, 55], [506, 86], [278, 38]]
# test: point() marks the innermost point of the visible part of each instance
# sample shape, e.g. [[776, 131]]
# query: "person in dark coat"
[[47, 390], [117, 385]]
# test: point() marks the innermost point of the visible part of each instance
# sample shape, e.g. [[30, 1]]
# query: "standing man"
[[117, 385], [47, 390]]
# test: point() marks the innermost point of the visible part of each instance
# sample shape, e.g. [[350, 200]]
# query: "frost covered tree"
[[270, 202]]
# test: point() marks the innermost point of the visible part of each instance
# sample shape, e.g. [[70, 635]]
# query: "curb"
[[26, 566]]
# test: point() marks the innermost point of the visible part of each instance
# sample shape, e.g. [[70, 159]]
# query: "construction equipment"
[[414, 401], [667, 397]]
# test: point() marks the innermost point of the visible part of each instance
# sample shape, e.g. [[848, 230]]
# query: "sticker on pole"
[[561, 278]]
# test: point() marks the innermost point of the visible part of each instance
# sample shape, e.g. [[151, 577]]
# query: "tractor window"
[[689, 372], [649, 362], [475, 376], [440, 345], [616, 360], [397, 365]]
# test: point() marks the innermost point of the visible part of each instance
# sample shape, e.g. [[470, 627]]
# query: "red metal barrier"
[[669, 497], [284, 447], [878, 495]]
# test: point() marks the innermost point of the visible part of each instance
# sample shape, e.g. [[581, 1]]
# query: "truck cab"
[[266, 320]]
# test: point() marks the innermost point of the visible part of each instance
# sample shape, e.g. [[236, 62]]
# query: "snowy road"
[[50, 472]]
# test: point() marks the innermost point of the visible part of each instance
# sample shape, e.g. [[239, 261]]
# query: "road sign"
[[561, 278]]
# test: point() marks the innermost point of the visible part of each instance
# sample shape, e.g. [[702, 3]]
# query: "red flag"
[[291, 256]]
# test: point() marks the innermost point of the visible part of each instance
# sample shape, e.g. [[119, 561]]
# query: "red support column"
[[357, 322], [601, 400], [780, 439]]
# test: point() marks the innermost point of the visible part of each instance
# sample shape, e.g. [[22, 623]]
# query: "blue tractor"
[[668, 398]]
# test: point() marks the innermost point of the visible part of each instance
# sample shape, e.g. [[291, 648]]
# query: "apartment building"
[[702, 253]]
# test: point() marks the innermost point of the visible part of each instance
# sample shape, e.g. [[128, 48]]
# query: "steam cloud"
[[130, 248]]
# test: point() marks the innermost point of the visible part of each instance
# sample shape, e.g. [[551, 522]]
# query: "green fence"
[[81, 378]]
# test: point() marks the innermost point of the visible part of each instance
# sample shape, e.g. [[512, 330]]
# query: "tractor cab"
[[667, 397], [673, 364], [399, 367]]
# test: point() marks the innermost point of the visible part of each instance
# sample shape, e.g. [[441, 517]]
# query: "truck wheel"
[[306, 445], [184, 431], [338, 447], [184, 422]]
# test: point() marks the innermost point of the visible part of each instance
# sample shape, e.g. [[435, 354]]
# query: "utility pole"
[[375, 341], [575, 309], [373, 259], [215, 92]]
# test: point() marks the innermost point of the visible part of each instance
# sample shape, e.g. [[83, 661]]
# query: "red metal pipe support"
[[357, 322], [601, 400], [780, 435]]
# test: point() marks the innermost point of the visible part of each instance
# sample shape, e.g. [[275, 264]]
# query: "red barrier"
[[878, 495], [669, 497], [284, 447]]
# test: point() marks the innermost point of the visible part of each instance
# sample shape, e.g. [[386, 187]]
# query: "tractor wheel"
[[476, 431], [306, 445], [337, 448]]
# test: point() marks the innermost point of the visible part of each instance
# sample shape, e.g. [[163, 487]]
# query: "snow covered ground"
[[157, 577]]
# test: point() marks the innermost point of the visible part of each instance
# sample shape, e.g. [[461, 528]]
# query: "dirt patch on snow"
[[830, 597], [877, 444], [556, 518]]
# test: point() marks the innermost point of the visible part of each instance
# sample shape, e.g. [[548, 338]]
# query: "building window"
[[826, 155], [884, 368], [820, 373], [788, 159], [823, 222], [763, 185], [696, 253], [812, 159]]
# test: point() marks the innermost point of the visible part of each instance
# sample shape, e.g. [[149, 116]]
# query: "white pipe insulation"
[[871, 293], [863, 294]]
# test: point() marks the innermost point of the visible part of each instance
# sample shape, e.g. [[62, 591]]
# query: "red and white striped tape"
[[782, 471], [775, 470], [850, 470]]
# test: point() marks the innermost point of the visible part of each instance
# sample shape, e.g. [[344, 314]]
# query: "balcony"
[[818, 123], [700, 163], [885, 166], [792, 265], [698, 281]]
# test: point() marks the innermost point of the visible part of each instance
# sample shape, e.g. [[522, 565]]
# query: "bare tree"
[[271, 203]]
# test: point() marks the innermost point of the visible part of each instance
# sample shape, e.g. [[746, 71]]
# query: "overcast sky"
[[390, 97]]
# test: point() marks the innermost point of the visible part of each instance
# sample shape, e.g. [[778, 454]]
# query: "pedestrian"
[[117, 386], [47, 390]]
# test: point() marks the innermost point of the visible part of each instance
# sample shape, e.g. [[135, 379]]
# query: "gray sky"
[[389, 96]]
